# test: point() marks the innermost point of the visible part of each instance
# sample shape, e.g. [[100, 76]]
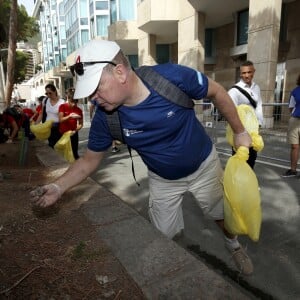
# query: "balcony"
[[218, 12], [125, 33], [159, 17], [60, 71]]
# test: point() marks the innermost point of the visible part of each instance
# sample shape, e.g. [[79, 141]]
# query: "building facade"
[[65, 25], [211, 36]]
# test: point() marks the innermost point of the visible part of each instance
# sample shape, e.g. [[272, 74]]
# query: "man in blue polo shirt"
[[173, 144], [294, 130]]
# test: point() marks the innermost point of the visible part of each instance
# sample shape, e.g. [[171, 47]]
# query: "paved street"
[[276, 255]]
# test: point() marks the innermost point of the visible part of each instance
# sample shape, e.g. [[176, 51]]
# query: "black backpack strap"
[[115, 129], [164, 87], [246, 94], [114, 125], [132, 165]]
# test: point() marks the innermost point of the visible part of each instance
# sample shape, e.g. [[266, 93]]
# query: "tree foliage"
[[20, 66], [15, 25], [26, 26]]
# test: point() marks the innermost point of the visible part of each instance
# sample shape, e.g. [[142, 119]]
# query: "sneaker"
[[289, 173], [242, 261], [115, 150]]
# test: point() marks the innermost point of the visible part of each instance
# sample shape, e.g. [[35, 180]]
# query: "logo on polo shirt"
[[170, 114], [129, 132]]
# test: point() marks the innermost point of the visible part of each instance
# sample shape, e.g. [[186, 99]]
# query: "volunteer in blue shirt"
[[169, 138], [293, 135]]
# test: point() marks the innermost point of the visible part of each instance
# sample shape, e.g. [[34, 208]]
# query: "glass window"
[[242, 27], [92, 28], [134, 61], [162, 54], [209, 42], [69, 47], [113, 11], [84, 21], [84, 36], [127, 10], [100, 5], [55, 39], [283, 24], [57, 59], [102, 23], [67, 21], [49, 48], [53, 6], [91, 8], [77, 39], [83, 9], [73, 15], [61, 9], [62, 31]]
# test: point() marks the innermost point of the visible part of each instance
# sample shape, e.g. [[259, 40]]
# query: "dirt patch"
[[52, 254]]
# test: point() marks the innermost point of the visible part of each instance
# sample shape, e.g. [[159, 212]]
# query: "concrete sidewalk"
[[159, 266]]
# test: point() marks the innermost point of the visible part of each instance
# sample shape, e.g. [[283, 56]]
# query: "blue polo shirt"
[[169, 138], [295, 102]]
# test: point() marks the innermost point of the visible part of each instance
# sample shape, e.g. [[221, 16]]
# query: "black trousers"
[[54, 136], [74, 143], [252, 157], [26, 126]]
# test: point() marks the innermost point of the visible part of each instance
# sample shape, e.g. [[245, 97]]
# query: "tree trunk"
[[11, 58]]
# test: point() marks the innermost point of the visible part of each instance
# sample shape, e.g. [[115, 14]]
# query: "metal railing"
[[276, 147]]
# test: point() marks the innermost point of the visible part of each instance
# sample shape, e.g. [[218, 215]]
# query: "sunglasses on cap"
[[78, 68]]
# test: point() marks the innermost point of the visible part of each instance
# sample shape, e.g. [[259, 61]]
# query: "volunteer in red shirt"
[[38, 109], [14, 122], [8, 122], [71, 118]]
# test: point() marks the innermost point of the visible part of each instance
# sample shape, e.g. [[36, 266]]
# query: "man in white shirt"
[[253, 99]]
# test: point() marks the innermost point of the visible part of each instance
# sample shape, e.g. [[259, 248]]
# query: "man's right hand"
[[46, 195], [242, 139]]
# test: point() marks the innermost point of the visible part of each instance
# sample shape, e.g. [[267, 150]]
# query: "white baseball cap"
[[89, 63]]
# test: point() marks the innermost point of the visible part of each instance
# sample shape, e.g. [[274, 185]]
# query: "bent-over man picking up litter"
[[173, 144]]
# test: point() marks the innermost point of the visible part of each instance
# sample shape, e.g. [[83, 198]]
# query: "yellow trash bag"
[[242, 205], [250, 122], [42, 131], [64, 147]]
